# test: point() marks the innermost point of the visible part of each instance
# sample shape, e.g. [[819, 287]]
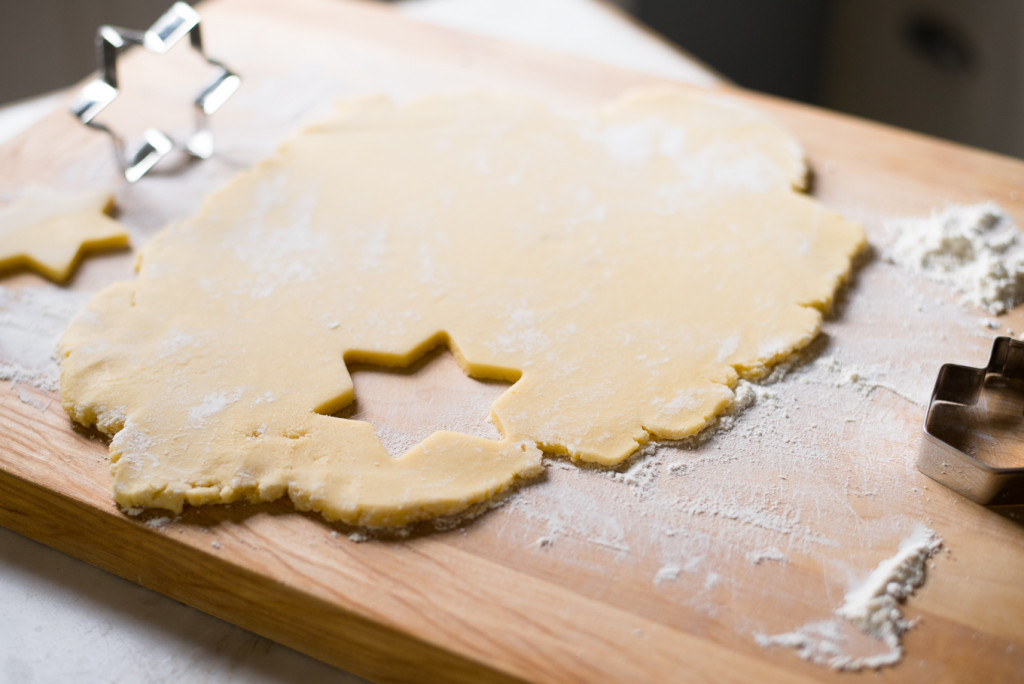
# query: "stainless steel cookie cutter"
[[137, 158], [962, 386]]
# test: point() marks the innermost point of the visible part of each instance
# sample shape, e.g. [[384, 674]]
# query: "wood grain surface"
[[665, 569]]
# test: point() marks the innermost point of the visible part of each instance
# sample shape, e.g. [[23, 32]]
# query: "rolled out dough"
[[48, 231], [624, 269]]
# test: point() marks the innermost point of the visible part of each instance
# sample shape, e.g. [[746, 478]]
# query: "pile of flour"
[[975, 249], [873, 607]]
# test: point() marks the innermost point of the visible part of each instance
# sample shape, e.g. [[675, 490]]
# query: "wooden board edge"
[[273, 610], [254, 592]]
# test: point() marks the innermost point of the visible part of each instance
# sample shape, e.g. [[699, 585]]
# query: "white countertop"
[[64, 620]]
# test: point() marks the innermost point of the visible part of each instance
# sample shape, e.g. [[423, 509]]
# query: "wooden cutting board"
[[663, 570]]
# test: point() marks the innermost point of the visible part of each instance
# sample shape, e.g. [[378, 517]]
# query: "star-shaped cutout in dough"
[[406, 405], [48, 231]]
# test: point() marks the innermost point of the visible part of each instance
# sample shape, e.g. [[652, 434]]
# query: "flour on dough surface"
[[623, 269]]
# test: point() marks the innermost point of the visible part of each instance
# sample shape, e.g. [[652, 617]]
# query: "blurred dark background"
[[951, 68]]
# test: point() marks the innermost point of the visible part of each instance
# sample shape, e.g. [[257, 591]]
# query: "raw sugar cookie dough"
[[624, 269], [49, 231]]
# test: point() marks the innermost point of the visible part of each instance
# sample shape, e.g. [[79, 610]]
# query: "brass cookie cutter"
[[137, 158], [953, 467]]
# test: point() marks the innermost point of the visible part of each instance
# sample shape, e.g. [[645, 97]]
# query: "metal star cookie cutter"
[[962, 386], [137, 158]]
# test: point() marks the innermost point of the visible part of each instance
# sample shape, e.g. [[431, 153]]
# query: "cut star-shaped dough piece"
[[48, 231]]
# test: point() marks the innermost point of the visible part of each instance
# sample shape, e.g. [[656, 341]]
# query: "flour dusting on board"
[[873, 607], [31, 320], [760, 486], [975, 249]]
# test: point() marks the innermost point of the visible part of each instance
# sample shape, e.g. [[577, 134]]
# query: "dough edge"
[[173, 496]]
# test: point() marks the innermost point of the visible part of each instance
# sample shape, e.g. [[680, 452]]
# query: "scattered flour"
[[975, 249], [873, 607], [158, 523], [667, 573], [746, 394], [854, 377], [31, 320], [30, 399], [770, 554], [212, 404]]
